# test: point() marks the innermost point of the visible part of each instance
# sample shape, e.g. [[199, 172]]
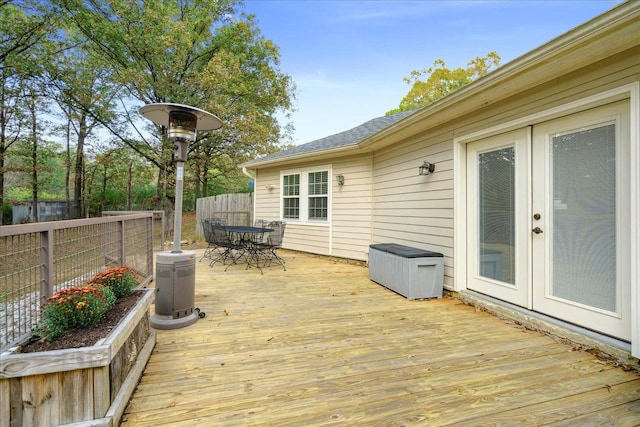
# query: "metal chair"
[[269, 249], [261, 223], [212, 247], [228, 247], [260, 237]]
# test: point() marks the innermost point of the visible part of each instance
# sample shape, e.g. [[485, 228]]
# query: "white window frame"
[[304, 194]]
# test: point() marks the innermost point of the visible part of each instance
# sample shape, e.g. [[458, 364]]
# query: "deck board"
[[320, 344]]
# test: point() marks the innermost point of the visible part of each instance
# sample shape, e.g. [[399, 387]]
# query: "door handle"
[[537, 230]]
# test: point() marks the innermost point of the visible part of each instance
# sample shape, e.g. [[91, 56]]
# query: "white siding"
[[418, 210], [347, 234], [384, 200]]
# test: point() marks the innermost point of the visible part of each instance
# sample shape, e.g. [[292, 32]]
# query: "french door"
[[497, 196], [548, 222]]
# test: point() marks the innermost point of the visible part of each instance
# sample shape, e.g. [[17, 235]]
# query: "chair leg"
[[207, 252], [253, 258], [273, 256], [222, 256]]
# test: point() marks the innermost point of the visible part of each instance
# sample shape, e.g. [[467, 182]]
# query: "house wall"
[[384, 200], [352, 218], [347, 233], [411, 209], [419, 210]]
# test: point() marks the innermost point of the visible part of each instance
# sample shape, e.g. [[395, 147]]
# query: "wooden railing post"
[[121, 246], [46, 264], [149, 223]]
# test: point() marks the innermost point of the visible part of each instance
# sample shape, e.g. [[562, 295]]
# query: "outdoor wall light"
[[426, 168], [340, 180], [269, 186]]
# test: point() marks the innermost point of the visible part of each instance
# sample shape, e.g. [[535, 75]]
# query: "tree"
[[20, 34], [117, 178], [441, 81], [194, 52], [22, 26], [83, 89]]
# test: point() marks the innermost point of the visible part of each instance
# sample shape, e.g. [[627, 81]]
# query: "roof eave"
[[315, 155]]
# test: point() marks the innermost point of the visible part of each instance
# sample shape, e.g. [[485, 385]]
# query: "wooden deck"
[[320, 344]]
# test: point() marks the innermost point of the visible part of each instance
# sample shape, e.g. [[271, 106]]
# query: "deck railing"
[[37, 260]]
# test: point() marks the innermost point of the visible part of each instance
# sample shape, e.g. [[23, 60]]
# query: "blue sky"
[[348, 58]]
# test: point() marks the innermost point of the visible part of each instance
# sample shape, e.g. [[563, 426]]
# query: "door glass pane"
[[584, 217], [496, 216]]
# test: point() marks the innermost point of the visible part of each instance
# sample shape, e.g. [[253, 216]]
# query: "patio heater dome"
[[161, 114]]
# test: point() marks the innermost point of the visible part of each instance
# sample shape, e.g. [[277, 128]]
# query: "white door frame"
[[631, 92], [519, 291]]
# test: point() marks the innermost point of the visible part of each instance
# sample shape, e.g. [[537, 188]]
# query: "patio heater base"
[[167, 322], [175, 289]]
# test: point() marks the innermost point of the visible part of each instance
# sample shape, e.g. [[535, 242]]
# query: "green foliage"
[[24, 194], [121, 280], [22, 25], [7, 214], [82, 307], [98, 62], [17, 194], [200, 53], [441, 81]]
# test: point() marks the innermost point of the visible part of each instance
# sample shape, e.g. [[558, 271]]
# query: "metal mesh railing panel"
[[78, 255], [38, 260], [138, 237], [19, 286]]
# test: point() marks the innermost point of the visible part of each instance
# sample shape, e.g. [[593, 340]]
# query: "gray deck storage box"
[[411, 272]]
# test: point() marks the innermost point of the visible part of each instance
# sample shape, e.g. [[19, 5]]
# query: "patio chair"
[[212, 247], [206, 228], [261, 237], [230, 250], [261, 223], [269, 249]]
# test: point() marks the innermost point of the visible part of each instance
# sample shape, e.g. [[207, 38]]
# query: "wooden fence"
[[235, 209]]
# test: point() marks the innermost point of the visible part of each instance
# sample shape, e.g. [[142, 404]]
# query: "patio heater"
[[176, 270]]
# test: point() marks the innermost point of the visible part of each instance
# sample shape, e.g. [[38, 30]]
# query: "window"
[[318, 195], [291, 196], [305, 195]]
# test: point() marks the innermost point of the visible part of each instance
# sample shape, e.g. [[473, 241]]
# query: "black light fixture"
[[175, 270], [340, 180], [426, 168]]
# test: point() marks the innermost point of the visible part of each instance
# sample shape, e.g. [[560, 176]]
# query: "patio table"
[[245, 237]]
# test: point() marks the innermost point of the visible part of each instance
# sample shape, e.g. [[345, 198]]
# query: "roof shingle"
[[341, 139]]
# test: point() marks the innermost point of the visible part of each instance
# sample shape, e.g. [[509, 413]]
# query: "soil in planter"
[[76, 338]]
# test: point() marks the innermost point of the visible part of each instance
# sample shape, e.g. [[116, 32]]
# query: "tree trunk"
[[77, 192], [2, 179], [3, 146], [129, 178], [103, 198], [34, 158], [67, 178], [198, 184], [160, 188]]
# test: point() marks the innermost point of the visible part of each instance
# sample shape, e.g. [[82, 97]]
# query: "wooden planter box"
[[88, 386]]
